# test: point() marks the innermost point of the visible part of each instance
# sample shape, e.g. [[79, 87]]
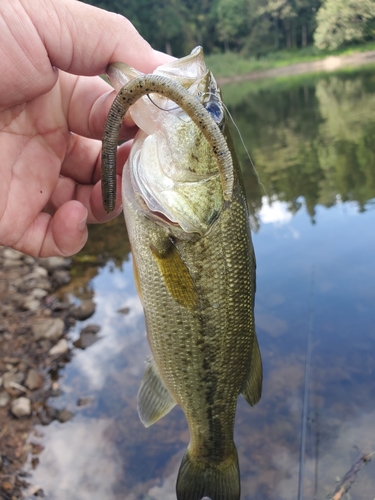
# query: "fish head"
[[172, 168]]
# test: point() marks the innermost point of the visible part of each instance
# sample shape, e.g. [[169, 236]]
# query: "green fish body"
[[194, 266]]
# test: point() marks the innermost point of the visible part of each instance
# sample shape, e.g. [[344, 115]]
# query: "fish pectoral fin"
[[137, 280], [154, 399], [252, 389], [176, 275]]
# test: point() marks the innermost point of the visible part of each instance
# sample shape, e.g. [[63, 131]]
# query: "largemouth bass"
[[194, 264]]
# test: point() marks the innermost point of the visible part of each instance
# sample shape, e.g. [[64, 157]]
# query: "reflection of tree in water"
[[107, 243], [313, 139]]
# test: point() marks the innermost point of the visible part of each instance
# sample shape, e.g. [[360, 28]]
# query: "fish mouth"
[[172, 167]]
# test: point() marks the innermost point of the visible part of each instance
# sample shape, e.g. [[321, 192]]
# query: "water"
[[312, 141]]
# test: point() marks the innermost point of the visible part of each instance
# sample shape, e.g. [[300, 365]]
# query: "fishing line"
[[246, 150], [162, 109], [201, 94], [306, 387]]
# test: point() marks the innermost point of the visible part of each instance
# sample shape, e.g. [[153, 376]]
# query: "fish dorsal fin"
[[176, 276], [252, 389], [154, 399]]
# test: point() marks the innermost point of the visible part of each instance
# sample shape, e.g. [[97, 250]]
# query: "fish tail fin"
[[198, 480]]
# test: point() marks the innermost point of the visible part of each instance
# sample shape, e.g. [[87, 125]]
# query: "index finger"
[[83, 40]]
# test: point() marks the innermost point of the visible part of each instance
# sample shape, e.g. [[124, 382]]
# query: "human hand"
[[51, 120]]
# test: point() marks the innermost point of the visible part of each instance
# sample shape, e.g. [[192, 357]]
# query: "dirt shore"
[[331, 63]]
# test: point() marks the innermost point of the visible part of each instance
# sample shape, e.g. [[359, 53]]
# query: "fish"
[[194, 265]]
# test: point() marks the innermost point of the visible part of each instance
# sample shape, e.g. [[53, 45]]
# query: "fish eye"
[[216, 111]]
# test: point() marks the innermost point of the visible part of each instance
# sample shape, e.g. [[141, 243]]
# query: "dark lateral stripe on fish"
[[128, 95]]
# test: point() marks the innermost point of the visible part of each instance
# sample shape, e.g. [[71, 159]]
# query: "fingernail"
[[82, 223]]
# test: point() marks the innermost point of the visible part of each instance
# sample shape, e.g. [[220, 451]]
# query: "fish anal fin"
[[176, 276], [154, 399], [252, 389], [198, 480]]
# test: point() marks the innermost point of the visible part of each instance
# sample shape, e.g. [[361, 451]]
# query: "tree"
[[344, 21], [231, 16]]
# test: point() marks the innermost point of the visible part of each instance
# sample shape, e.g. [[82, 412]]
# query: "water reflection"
[[314, 168], [313, 139]]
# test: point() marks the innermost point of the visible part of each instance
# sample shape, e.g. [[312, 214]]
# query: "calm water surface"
[[313, 142]]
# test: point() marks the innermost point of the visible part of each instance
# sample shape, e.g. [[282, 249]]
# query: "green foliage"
[[342, 22], [252, 27]]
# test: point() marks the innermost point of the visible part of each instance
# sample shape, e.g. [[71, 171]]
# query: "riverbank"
[[34, 324], [330, 63]]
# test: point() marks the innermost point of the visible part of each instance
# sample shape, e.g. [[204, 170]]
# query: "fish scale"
[[197, 290]]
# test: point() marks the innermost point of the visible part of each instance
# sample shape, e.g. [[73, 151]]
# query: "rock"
[[85, 401], [21, 407], [123, 310], [64, 415], [87, 337], [60, 348], [12, 263], [53, 263], [33, 380], [4, 398], [3, 286], [9, 253], [61, 277], [40, 271], [7, 485], [43, 283], [31, 304], [91, 329], [10, 378], [50, 328], [84, 310], [38, 293], [28, 260]]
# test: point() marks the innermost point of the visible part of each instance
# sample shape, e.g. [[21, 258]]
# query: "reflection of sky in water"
[[325, 271]]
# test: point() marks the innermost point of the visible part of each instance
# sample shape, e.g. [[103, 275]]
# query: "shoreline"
[[35, 320], [330, 63]]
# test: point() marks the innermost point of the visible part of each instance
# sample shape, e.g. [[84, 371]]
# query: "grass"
[[230, 63]]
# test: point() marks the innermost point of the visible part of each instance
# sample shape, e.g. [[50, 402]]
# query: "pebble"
[[123, 310], [87, 337], [84, 310], [61, 277], [4, 398], [53, 263], [3, 286], [92, 328], [10, 378], [33, 380], [9, 253], [41, 271], [21, 407], [64, 415], [11, 263], [31, 304], [38, 293], [85, 401], [50, 328], [60, 348]]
